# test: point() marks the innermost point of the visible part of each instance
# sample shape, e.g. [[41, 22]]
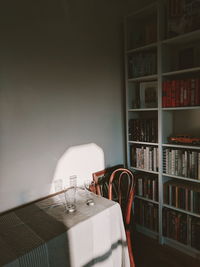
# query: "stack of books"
[[143, 130], [147, 186], [180, 93], [145, 157], [181, 227], [175, 225], [184, 196], [142, 64], [181, 162], [146, 214], [183, 16]]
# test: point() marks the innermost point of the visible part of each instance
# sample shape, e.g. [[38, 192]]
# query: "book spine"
[[173, 162], [167, 160], [170, 163], [154, 189], [150, 159], [199, 166], [176, 162], [173, 93], [182, 89], [186, 198], [147, 158], [176, 197], [185, 93], [193, 91], [170, 195], [169, 93], [191, 201], [154, 159], [140, 187], [189, 242], [177, 93]]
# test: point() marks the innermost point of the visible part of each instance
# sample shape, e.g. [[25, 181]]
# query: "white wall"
[[60, 86], [61, 82]]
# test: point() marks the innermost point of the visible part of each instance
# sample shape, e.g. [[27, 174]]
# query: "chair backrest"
[[101, 179], [125, 181], [96, 176]]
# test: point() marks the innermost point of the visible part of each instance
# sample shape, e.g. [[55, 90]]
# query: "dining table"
[[44, 233]]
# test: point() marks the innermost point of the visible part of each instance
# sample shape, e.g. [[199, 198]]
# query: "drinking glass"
[[89, 198], [58, 187], [70, 193], [70, 197], [73, 181]]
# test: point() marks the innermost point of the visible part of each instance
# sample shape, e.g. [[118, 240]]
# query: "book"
[[148, 95], [183, 16]]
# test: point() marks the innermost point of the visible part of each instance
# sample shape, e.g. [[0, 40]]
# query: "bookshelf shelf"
[[144, 78], [181, 146], [147, 199], [181, 108], [187, 37], [184, 71], [181, 178], [144, 11], [142, 109], [143, 143], [175, 79], [182, 211], [142, 170], [143, 48]]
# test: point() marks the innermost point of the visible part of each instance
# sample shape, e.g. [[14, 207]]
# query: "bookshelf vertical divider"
[[163, 87]]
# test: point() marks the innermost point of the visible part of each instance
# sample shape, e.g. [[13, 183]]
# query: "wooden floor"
[[148, 253]]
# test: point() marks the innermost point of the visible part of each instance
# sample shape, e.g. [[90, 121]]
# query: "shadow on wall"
[[81, 161]]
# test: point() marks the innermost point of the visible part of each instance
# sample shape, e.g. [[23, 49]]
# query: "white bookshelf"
[[171, 120]]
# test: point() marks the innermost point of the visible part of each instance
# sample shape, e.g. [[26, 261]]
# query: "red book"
[[197, 92], [177, 86], [189, 92], [173, 93], [192, 92], [182, 88], [169, 93], [185, 93]]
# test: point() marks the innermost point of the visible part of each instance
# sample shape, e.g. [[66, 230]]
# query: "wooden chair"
[[101, 179], [126, 190], [119, 185]]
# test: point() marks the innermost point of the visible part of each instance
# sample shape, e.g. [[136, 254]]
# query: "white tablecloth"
[[91, 236], [100, 240]]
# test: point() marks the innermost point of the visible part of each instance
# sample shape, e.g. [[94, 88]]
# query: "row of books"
[[146, 214], [184, 196], [142, 64], [181, 162], [179, 93], [182, 228], [145, 157], [147, 186], [143, 130], [182, 16], [143, 35], [175, 225]]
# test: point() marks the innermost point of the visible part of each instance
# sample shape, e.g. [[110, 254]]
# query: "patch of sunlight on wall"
[[80, 160]]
